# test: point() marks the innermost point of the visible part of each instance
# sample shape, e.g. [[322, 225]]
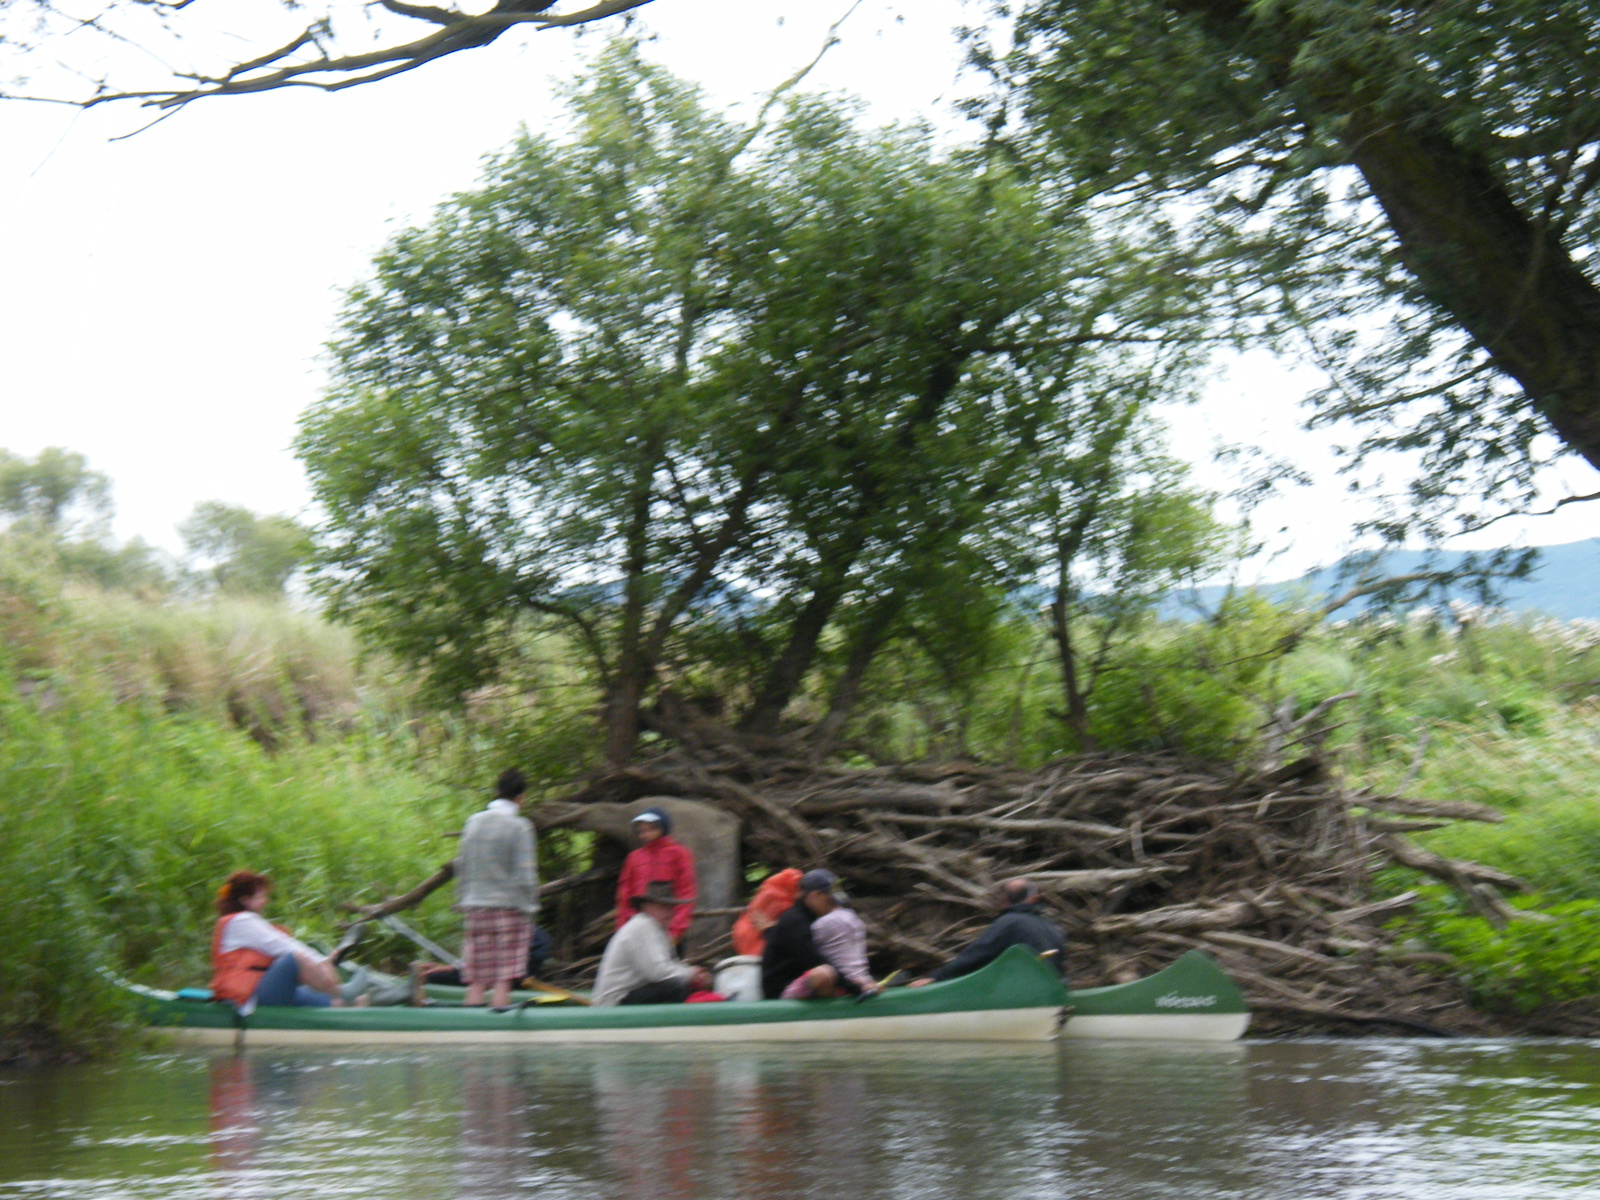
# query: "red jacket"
[[666, 859]]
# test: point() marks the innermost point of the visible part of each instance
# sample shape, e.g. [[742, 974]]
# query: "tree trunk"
[[1077, 711], [633, 669], [1506, 281], [789, 668], [1500, 272], [847, 690]]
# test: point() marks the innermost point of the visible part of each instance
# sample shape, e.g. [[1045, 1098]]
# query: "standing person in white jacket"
[[497, 891]]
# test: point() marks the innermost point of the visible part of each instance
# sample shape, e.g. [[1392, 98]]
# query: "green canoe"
[[1014, 998]]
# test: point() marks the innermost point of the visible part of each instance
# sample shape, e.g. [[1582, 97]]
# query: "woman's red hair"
[[240, 886]]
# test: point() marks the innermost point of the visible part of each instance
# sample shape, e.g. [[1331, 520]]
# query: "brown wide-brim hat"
[[658, 891]]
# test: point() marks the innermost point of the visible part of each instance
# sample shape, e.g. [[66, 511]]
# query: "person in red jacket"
[[660, 856]]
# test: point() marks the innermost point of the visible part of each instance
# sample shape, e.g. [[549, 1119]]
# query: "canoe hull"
[[1006, 1025], [1193, 1000], [1016, 998], [1159, 1027]]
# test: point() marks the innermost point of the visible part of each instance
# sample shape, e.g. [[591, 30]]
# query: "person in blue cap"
[[660, 856], [790, 951]]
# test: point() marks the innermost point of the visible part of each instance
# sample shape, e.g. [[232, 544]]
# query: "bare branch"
[[330, 72], [423, 12], [1545, 512]]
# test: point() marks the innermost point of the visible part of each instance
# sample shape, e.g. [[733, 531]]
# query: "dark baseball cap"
[[819, 880]]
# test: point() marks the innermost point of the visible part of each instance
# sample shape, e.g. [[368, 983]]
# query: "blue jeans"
[[280, 986]]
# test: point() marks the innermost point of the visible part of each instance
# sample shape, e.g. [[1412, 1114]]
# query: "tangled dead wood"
[[1140, 858]]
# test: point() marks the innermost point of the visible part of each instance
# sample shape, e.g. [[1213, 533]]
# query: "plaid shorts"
[[497, 944]]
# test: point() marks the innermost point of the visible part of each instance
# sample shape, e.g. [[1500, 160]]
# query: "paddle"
[[531, 1000], [554, 993], [347, 944], [882, 983], [433, 948]]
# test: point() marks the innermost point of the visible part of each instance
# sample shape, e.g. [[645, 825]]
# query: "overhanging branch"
[[310, 60]]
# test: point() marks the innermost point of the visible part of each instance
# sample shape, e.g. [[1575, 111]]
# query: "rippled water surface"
[[1276, 1121]]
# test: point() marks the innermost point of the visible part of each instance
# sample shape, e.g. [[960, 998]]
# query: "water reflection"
[[235, 1132], [1285, 1121], [495, 1107]]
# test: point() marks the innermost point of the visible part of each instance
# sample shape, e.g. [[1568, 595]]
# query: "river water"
[[1267, 1120]]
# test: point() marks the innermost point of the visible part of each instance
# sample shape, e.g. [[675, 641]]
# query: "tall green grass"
[[119, 819], [1504, 713]]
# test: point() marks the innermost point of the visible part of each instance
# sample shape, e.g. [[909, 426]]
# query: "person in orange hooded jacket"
[[773, 898], [660, 857]]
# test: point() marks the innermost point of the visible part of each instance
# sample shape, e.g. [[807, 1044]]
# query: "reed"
[[121, 817]]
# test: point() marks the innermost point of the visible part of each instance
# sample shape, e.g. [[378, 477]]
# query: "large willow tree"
[[666, 371]]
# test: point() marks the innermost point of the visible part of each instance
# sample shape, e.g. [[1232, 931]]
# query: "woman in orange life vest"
[[255, 962]]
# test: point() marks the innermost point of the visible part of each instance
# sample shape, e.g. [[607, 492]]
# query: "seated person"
[[791, 951], [255, 962], [1020, 923], [841, 939], [424, 973], [776, 893], [639, 965]]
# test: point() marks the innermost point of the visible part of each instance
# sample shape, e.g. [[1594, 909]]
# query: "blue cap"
[[819, 880], [658, 815]]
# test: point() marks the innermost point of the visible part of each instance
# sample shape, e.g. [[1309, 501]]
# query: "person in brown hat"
[[639, 966]]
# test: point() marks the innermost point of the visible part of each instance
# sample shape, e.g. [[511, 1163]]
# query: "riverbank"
[[147, 750]]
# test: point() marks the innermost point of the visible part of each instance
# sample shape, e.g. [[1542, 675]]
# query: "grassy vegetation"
[[1504, 713], [1501, 712], [147, 749], [121, 818]]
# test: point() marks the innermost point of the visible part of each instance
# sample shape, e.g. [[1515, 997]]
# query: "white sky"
[[164, 299]]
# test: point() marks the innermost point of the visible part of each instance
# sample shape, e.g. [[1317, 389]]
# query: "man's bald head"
[[1018, 891]]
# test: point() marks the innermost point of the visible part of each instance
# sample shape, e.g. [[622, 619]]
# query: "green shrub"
[[1523, 966], [1551, 839], [1157, 700]]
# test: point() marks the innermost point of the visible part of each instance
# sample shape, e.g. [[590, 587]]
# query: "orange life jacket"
[[776, 893], [236, 974]]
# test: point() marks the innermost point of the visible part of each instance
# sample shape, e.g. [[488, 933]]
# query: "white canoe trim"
[[1002, 1025], [1169, 1027], [992, 1025]]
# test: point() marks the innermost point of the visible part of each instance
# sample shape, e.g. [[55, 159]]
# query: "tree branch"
[[455, 32]]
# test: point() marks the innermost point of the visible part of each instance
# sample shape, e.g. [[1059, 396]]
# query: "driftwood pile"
[[1140, 859]]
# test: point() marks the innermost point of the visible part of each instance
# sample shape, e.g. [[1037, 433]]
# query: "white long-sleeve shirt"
[[252, 931], [638, 953]]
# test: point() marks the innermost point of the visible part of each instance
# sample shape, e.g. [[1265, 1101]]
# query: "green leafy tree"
[[1108, 520], [55, 493], [238, 552], [672, 373], [58, 512], [1419, 180], [519, 427]]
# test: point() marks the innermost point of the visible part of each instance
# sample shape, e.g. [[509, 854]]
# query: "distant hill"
[[1565, 582]]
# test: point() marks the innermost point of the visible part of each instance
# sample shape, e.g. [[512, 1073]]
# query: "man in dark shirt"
[[790, 952], [1020, 924]]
